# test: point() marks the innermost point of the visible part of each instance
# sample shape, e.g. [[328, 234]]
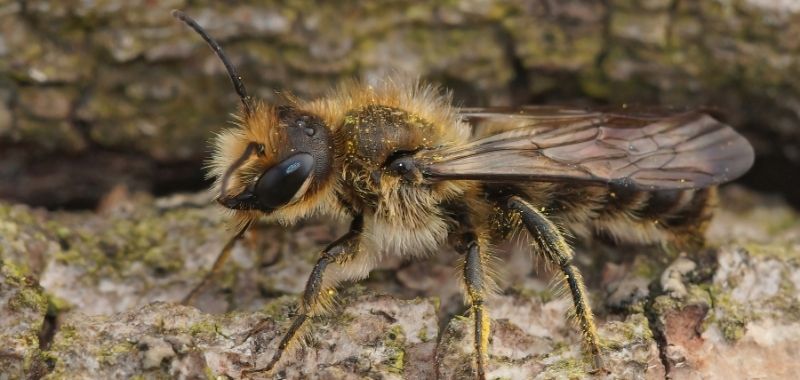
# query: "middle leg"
[[476, 283]]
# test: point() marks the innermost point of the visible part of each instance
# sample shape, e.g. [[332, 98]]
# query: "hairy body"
[[370, 127], [414, 173]]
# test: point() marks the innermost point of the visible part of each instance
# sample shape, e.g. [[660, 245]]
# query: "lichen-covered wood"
[[86, 294], [93, 94]]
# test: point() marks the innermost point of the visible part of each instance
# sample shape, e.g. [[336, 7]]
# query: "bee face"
[[286, 156]]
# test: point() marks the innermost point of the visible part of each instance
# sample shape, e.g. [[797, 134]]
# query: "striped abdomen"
[[635, 217]]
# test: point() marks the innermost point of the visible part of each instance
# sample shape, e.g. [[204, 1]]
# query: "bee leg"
[[314, 298], [217, 267], [475, 281], [552, 244]]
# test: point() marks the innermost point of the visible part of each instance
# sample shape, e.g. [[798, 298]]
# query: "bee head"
[[283, 157], [277, 157]]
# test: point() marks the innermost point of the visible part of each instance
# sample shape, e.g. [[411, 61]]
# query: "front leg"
[[314, 300], [551, 243], [222, 257]]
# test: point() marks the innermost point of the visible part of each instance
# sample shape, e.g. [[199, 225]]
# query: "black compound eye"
[[278, 185]]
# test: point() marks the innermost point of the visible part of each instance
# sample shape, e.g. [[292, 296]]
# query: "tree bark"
[[85, 295], [120, 92]]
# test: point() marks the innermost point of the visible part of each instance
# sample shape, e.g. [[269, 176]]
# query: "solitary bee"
[[414, 173]]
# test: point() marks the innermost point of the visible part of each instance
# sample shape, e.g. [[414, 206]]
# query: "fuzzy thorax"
[[426, 102]]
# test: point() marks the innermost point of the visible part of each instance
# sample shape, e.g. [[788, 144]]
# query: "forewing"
[[646, 151], [489, 121]]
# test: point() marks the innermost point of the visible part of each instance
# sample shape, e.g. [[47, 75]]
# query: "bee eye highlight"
[[279, 184]]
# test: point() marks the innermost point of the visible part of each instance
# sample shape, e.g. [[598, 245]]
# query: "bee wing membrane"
[[688, 150]]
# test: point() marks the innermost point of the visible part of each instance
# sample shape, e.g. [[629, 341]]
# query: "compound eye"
[[279, 185]]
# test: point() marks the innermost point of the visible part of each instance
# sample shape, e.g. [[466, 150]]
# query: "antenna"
[[238, 85]]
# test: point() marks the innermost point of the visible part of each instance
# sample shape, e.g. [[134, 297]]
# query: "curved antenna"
[[238, 85]]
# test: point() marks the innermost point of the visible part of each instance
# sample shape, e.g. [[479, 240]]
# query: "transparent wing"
[[646, 151]]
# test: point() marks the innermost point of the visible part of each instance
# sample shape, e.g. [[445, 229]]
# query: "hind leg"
[[551, 243]]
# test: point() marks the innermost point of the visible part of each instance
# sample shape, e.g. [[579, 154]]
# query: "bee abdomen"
[[693, 210], [676, 215], [620, 215], [679, 208]]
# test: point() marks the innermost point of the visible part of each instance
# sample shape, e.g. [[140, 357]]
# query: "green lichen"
[[394, 342], [594, 82], [646, 267], [728, 315], [700, 294], [29, 298], [777, 251], [109, 354], [634, 329], [125, 244], [156, 258], [67, 332], [732, 329], [13, 274], [57, 305], [547, 44], [205, 328], [422, 335], [21, 230], [278, 309], [437, 303], [663, 303], [47, 358], [786, 304], [780, 222], [29, 295], [566, 368], [210, 375]]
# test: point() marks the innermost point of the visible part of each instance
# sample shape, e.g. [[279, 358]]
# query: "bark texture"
[[85, 295], [93, 94]]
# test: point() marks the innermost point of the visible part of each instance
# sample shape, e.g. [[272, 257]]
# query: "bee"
[[414, 173]]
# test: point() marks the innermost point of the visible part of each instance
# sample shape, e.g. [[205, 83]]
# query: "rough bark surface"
[[93, 295], [93, 94]]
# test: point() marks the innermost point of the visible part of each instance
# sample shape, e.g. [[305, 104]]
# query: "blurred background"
[[97, 95]]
